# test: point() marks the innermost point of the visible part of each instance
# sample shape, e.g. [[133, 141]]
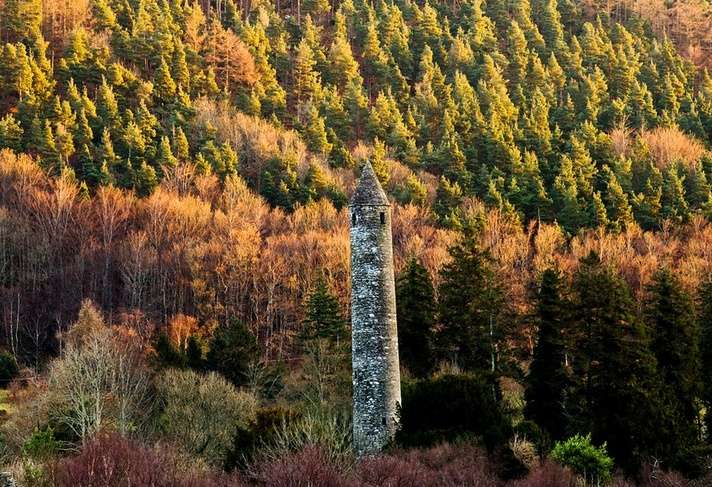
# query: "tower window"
[[383, 218], [353, 219]]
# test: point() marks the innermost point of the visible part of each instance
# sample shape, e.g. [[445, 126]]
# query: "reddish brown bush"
[[444, 465], [112, 460], [307, 468], [395, 470], [548, 474]]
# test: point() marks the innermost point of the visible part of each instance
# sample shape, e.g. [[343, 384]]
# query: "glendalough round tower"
[[376, 374]]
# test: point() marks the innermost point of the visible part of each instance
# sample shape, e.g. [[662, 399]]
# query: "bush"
[[693, 461], [442, 465], [232, 350], [8, 368], [41, 445], [548, 474], [310, 467], [110, 459], [201, 412], [524, 451], [532, 432], [331, 431], [593, 463], [448, 408], [248, 439]]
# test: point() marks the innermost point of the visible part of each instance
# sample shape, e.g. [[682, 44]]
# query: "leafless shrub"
[[112, 460], [670, 144]]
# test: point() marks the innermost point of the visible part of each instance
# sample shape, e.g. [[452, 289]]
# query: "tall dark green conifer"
[[617, 394], [323, 315], [547, 382], [705, 324], [415, 298], [670, 318], [472, 307]]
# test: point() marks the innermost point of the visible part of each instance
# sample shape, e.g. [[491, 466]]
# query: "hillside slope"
[[528, 106]]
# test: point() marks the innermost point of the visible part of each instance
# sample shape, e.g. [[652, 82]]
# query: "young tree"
[[323, 318], [415, 298]]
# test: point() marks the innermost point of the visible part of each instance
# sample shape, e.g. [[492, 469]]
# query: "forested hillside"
[[174, 178]]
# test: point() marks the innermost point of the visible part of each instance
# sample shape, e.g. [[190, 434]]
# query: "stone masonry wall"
[[376, 374]]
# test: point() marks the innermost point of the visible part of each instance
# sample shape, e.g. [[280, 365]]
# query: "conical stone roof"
[[368, 190]]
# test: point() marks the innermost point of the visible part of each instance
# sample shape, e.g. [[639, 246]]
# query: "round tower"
[[374, 344]]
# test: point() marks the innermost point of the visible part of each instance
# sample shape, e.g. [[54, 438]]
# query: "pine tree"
[[549, 21], [343, 66], [163, 83], [472, 306], [21, 20], [306, 79], [10, 133], [547, 382], [89, 171], [43, 142], [146, 179], [194, 354], [674, 204], [670, 317], [415, 298], [107, 106], [314, 130], [179, 67], [448, 198], [233, 350], [617, 395], [619, 210], [704, 314], [323, 319], [83, 134], [697, 188], [570, 214], [379, 163], [166, 159]]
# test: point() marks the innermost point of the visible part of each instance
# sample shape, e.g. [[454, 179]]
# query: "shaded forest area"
[[174, 255]]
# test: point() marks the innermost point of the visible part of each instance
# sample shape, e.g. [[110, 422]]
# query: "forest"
[[174, 240]]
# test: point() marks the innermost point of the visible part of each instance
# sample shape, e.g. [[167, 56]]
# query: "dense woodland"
[[174, 254]]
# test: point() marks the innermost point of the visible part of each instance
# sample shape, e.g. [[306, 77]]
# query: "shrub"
[[8, 368], [670, 144], [450, 407], [201, 412], [524, 451], [549, 474], [531, 431], [232, 350], [577, 452], [310, 467], [109, 459], [261, 432], [41, 445], [331, 431], [442, 465]]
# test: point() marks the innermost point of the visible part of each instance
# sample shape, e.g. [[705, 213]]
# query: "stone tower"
[[376, 373]]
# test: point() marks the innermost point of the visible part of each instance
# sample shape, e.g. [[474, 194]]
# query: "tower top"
[[368, 190]]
